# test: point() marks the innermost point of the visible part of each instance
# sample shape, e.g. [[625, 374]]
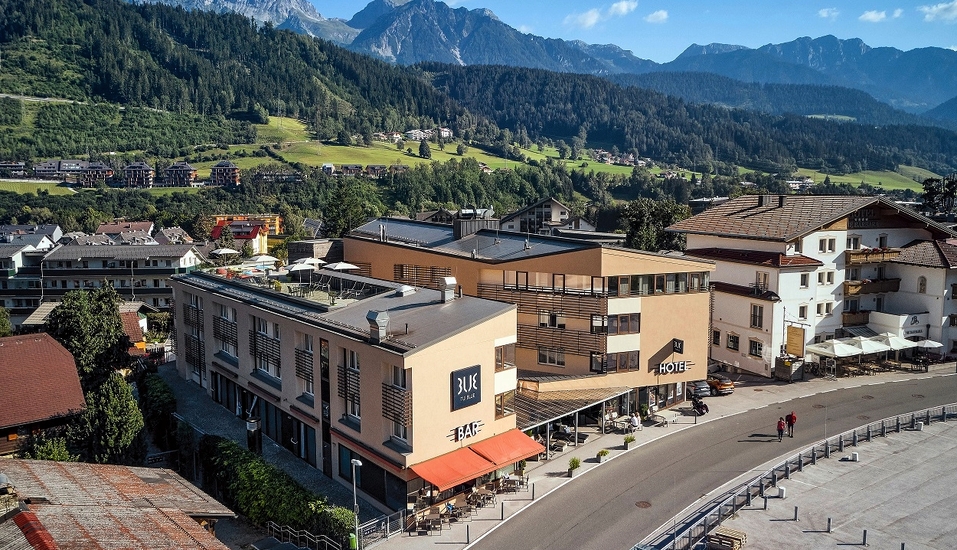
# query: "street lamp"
[[355, 498]]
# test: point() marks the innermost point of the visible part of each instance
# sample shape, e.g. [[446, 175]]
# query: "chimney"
[[381, 233], [447, 287], [378, 325]]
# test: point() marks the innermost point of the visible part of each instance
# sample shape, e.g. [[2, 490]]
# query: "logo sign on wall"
[[672, 367], [677, 346], [466, 387]]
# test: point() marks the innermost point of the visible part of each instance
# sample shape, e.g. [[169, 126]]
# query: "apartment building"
[[139, 175], [224, 174], [404, 379], [631, 324], [796, 269], [180, 174]]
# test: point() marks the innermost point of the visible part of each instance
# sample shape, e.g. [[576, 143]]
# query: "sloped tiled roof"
[[115, 228], [530, 207], [929, 254], [756, 257], [131, 326], [38, 380], [127, 252], [98, 506], [784, 217]]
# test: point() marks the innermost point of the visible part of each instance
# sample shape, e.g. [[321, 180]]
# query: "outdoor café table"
[[486, 495]]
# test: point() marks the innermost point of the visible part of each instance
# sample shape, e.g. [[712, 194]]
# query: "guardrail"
[[301, 538], [381, 528], [688, 532]]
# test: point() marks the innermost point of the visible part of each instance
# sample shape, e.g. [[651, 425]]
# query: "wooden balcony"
[[856, 288], [854, 318], [870, 256]]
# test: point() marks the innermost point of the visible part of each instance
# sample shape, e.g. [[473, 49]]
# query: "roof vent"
[[404, 290], [378, 325], [447, 287]]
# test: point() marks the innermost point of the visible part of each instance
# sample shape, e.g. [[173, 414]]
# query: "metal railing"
[[381, 528], [687, 533], [301, 538]]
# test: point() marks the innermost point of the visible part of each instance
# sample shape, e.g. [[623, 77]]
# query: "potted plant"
[[602, 455], [573, 464], [520, 471], [643, 411], [629, 441]]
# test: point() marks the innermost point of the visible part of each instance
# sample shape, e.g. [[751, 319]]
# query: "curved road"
[[598, 510]]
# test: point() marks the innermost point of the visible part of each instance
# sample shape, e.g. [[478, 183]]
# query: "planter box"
[[571, 472], [601, 458], [630, 444]]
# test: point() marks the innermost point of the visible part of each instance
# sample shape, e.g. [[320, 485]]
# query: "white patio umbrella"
[[309, 261], [866, 345], [928, 344], [224, 251], [340, 266], [263, 259], [300, 267], [894, 341], [832, 348]]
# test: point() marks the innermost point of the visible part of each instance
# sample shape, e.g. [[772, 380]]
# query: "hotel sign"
[[673, 367], [466, 387]]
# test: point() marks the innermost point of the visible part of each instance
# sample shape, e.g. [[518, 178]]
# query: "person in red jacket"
[[791, 420], [781, 425]]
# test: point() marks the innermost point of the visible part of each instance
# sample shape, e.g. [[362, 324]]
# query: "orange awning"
[[508, 448], [453, 468]]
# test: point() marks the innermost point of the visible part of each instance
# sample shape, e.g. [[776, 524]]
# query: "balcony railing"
[[871, 255], [576, 342], [853, 318], [855, 288], [534, 300]]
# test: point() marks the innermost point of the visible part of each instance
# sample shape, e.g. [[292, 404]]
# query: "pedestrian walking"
[[781, 426], [791, 420]]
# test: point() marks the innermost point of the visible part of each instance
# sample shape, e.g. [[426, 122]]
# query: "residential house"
[[20, 291], [60, 168], [224, 174], [173, 235], [406, 380], [14, 168], [538, 218], [134, 237], [377, 170], [350, 169], [253, 232], [328, 168], [52, 231], [82, 239], [927, 271], [115, 227], [47, 504], [590, 317], [796, 269], [39, 388], [95, 173], [444, 133], [139, 175], [272, 222], [180, 174]]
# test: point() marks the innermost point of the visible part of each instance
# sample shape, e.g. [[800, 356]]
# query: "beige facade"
[[599, 316], [326, 384]]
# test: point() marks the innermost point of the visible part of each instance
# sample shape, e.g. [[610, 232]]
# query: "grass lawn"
[[34, 187], [890, 181], [244, 163], [281, 129], [160, 191]]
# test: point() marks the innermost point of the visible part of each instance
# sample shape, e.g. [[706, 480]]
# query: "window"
[[755, 347], [922, 285], [824, 308], [882, 241], [505, 404], [227, 313], [757, 316], [599, 324], [626, 323], [659, 283], [551, 356], [953, 320], [761, 279], [733, 342], [826, 245], [504, 357], [400, 431], [852, 305], [350, 359], [805, 280], [551, 319], [268, 365], [879, 303], [352, 407], [852, 274], [825, 277], [798, 246], [398, 377], [802, 312], [716, 337], [853, 242]]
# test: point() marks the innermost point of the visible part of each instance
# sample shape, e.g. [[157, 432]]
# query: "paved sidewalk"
[[546, 476]]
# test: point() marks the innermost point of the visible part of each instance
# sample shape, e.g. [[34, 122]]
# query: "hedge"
[[262, 492]]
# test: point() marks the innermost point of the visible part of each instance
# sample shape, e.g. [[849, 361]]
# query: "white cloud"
[[659, 16], [944, 12], [585, 20], [873, 16], [622, 8], [898, 12], [828, 13]]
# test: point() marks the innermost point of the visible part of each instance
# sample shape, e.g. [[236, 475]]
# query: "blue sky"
[[661, 29]]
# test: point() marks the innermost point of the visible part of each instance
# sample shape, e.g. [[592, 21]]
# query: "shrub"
[[574, 463], [603, 452], [629, 438], [643, 411], [262, 492], [157, 403]]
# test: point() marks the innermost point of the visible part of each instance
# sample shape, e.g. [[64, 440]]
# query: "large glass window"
[[504, 357], [757, 316], [505, 404], [733, 342], [551, 319], [551, 356]]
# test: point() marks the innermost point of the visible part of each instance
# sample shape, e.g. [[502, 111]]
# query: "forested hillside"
[[778, 99], [166, 58], [566, 106]]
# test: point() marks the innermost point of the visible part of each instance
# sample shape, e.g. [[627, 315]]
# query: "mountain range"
[[407, 32]]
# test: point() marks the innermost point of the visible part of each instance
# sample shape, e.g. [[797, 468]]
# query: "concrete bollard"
[[774, 478], [787, 470], [827, 449], [828, 525], [468, 539], [796, 514], [814, 455], [782, 492], [503, 511], [868, 432], [883, 429], [898, 424], [865, 538], [854, 439], [840, 443], [800, 462], [533, 491], [928, 417], [765, 503], [855, 457], [919, 426]]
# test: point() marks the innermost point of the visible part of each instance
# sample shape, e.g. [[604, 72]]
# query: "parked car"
[[699, 388], [720, 384]]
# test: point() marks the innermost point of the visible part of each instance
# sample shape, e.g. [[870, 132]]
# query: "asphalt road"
[[600, 510]]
